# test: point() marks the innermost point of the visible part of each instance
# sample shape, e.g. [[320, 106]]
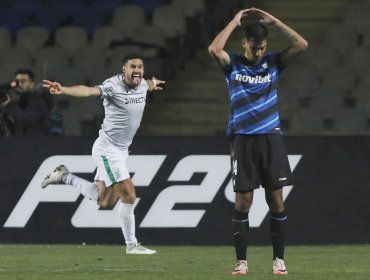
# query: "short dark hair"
[[132, 56], [25, 71], [256, 31]]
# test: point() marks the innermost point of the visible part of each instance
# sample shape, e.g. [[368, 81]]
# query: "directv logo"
[[134, 100], [253, 80]]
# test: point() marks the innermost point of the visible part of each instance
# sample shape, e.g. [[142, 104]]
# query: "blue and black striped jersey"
[[253, 95]]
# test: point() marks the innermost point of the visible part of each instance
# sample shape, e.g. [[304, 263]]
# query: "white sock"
[[127, 222], [86, 188]]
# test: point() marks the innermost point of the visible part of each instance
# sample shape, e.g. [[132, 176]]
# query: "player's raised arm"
[[76, 91], [298, 43], [216, 48]]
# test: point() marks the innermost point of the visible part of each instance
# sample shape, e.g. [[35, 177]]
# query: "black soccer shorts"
[[259, 159]]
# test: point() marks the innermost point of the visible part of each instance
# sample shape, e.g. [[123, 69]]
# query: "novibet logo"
[[253, 80], [162, 213]]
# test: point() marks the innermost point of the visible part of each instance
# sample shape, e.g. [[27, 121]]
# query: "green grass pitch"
[[91, 262]]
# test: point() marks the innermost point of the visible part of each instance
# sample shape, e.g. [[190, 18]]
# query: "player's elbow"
[[212, 50], [303, 44]]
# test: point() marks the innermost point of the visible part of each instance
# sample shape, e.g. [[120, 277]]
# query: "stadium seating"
[[106, 7], [5, 38], [6, 74], [49, 58], [91, 61], [314, 90], [71, 38], [191, 8], [363, 103], [15, 58], [32, 37], [351, 121], [89, 19], [306, 122], [149, 6], [12, 20], [128, 18], [83, 41], [321, 57], [150, 36], [357, 59], [104, 35], [194, 11], [334, 38], [171, 19], [338, 78]]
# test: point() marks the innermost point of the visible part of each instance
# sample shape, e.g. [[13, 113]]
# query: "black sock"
[[240, 224], [278, 223]]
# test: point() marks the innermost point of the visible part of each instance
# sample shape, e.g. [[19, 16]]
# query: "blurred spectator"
[[26, 108], [6, 124]]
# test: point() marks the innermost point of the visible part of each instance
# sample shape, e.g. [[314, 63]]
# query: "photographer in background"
[[27, 107], [6, 124]]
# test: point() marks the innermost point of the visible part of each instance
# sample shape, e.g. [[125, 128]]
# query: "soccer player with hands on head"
[[258, 154], [124, 97]]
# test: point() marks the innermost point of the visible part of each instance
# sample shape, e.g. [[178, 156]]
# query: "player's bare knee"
[[102, 203], [125, 190], [128, 198], [243, 201], [105, 203]]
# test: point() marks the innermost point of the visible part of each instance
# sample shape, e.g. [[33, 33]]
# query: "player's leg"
[[61, 175], [120, 189], [245, 180], [107, 196], [278, 225], [125, 190], [276, 174], [240, 224]]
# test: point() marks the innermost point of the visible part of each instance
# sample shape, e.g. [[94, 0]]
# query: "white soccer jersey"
[[124, 107]]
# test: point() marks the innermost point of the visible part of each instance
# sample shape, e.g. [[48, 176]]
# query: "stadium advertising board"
[[184, 192]]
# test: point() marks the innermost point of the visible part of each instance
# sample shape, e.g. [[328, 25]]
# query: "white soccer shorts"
[[111, 164]]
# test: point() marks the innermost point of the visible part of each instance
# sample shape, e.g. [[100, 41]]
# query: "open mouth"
[[136, 78]]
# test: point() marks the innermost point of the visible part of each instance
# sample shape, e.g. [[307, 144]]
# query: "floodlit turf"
[[178, 263]]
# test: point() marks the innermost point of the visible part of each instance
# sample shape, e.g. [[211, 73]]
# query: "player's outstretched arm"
[[298, 43], [155, 84], [76, 91], [216, 48]]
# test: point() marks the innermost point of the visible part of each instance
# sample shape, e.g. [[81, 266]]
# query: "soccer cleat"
[[55, 177], [137, 249], [278, 267], [241, 268]]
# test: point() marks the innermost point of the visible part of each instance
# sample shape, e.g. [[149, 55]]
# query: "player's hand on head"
[[54, 87], [240, 15], [266, 18]]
